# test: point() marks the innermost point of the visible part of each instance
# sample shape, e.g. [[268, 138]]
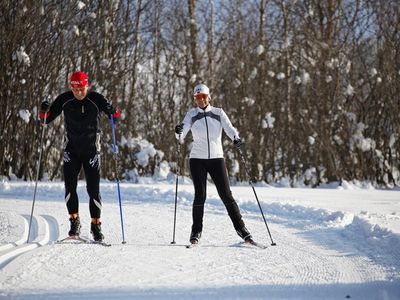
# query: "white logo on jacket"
[[95, 161], [67, 159]]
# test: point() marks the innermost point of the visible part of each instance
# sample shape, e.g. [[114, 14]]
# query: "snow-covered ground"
[[331, 244]]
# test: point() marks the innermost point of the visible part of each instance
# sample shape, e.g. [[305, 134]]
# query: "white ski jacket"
[[206, 125]]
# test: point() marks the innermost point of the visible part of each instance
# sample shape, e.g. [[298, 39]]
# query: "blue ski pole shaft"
[[117, 178], [255, 194], [37, 177]]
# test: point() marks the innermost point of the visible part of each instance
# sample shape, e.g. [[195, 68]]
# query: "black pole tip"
[[123, 242], [173, 243], [273, 244]]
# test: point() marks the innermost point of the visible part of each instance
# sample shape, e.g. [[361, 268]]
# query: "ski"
[[73, 238], [250, 243], [192, 245], [81, 240], [100, 243], [255, 244]]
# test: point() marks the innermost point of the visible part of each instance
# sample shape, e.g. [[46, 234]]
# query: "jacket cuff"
[[44, 115]]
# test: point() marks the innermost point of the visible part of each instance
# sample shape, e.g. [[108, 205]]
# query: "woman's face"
[[202, 100]]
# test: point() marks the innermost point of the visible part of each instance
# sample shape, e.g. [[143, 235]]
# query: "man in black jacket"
[[82, 109]]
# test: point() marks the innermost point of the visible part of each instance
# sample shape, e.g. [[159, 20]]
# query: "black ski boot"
[[195, 237], [95, 230], [245, 234], [75, 227]]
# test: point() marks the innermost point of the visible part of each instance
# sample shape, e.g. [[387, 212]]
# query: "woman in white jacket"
[[206, 156]]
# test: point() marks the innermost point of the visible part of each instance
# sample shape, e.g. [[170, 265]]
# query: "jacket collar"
[[208, 108]]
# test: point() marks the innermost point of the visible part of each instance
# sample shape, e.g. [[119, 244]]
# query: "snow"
[[359, 141], [22, 56], [336, 242], [162, 171], [236, 83], [373, 72], [24, 114], [305, 77], [260, 49], [81, 5], [144, 155], [349, 90], [333, 63], [328, 79], [253, 74], [348, 67], [193, 78], [280, 76], [249, 101], [75, 29], [268, 121], [143, 149], [392, 140]]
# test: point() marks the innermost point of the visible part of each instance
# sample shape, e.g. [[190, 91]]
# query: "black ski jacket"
[[81, 119]]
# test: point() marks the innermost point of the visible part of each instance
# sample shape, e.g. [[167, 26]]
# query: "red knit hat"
[[79, 80]]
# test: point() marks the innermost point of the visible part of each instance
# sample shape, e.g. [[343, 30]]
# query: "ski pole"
[[117, 178], [176, 188], [37, 175], [255, 194]]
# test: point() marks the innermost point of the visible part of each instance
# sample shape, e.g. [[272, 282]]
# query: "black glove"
[[109, 110], [237, 142], [44, 107], [179, 128]]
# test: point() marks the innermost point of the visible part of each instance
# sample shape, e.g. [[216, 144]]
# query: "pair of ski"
[[81, 240], [250, 243]]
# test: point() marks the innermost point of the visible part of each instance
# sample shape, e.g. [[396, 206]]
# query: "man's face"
[[202, 100], [80, 93]]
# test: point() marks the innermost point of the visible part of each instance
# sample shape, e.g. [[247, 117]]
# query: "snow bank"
[[375, 240]]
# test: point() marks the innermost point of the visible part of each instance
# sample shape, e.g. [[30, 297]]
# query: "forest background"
[[312, 85]]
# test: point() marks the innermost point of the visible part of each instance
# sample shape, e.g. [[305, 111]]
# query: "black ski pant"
[[73, 162], [217, 170]]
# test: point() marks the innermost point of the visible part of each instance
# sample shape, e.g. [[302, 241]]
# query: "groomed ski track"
[[313, 259]]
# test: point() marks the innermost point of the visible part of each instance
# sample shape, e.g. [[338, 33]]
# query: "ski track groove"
[[22, 240], [44, 230]]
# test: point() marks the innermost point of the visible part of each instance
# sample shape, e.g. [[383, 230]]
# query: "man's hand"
[[45, 106], [44, 111]]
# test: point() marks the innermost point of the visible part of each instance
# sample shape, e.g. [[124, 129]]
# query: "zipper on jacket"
[[208, 138]]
